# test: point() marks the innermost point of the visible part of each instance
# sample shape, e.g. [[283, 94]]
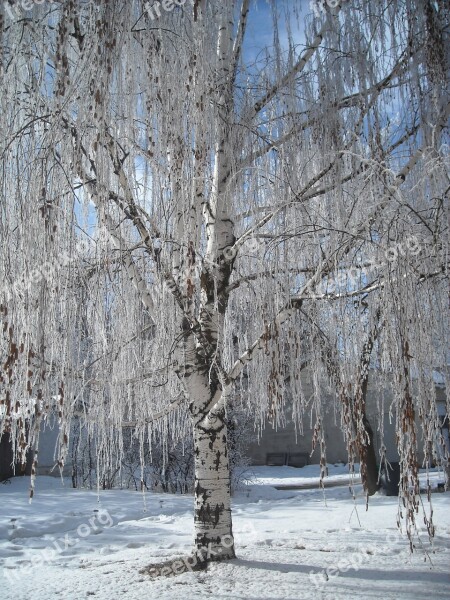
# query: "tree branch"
[[162, 413], [239, 40], [296, 69]]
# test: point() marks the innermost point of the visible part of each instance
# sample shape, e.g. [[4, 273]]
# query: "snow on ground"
[[296, 544], [309, 475]]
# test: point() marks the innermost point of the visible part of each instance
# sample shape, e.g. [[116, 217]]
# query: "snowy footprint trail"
[[291, 545]]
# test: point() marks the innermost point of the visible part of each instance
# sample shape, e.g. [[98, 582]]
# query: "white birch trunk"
[[212, 508], [213, 526], [212, 497]]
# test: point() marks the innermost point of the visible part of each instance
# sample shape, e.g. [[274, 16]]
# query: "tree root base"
[[180, 565]]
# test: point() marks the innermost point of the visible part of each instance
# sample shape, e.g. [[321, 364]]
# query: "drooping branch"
[[308, 191], [283, 315], [171, 406], [287, 79], [239, 39], [353, 100]]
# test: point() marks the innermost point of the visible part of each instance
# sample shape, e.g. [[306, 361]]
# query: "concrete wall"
[[47, 443], [284, 440]]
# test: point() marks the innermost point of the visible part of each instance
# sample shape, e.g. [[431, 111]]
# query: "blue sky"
[[260, 25]]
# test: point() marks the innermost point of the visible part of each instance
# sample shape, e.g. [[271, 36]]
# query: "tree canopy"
[[187, 220]]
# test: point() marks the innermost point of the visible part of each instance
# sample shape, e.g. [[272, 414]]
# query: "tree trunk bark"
[[369, 469], [212, 495]]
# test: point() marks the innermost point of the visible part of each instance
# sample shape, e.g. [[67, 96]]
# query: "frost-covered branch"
[[172, 405], [287, 79]]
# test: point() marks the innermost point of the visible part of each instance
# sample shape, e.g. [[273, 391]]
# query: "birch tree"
[[186, 223]]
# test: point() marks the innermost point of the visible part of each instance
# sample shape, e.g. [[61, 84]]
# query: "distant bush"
[[159, 468]]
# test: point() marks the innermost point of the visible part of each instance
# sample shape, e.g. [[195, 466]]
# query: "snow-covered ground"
[[296, 544]]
